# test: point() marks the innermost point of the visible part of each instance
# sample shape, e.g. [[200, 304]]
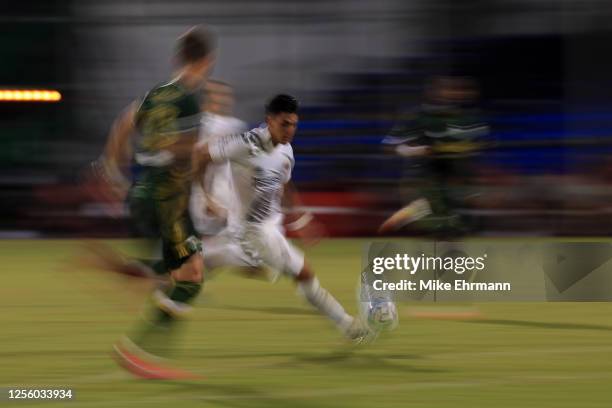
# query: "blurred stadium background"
[[359, 68]]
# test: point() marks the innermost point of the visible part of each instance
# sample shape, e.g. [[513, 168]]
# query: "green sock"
[[157, 335], [184, 291]]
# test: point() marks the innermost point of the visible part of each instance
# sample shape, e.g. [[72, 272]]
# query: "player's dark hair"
[[194, 45], [282, 103]]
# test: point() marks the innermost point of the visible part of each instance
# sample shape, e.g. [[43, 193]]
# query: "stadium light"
[[30, 95]]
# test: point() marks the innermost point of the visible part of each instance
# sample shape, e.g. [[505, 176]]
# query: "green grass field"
[[259, 345]]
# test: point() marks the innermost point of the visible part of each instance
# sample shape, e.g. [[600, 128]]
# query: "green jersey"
[[168, 116], [450, 132], [168, 113]]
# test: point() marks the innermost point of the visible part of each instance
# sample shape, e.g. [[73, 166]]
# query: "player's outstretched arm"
[[105, 178], [200, 160], [118, 150]]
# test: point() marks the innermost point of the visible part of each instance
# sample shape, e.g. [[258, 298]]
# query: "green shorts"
[[159, 208]]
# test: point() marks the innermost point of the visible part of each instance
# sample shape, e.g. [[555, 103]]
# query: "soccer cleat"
[[359, 333], [148, 367], [414, 211]]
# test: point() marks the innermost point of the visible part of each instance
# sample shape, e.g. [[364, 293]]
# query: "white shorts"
[[261, 245]]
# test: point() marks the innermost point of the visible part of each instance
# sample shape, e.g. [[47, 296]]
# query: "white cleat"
[[359, 333]]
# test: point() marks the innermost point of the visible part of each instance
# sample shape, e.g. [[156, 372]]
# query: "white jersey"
[[217, 180], [259, 172]]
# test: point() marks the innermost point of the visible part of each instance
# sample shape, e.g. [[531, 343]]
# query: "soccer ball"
[[382, 315]]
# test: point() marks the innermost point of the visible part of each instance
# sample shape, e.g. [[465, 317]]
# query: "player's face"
[[282, 127]]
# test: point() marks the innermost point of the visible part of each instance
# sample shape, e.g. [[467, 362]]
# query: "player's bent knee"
[[306, 274], [191, 271], [198, 265]]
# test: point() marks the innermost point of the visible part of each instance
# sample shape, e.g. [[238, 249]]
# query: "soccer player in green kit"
[[166, 121], [441, 139]]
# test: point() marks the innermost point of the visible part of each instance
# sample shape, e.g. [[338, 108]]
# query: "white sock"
[[325, 303]]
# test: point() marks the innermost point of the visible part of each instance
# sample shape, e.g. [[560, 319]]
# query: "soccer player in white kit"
[[261, 161], [217, 120]]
